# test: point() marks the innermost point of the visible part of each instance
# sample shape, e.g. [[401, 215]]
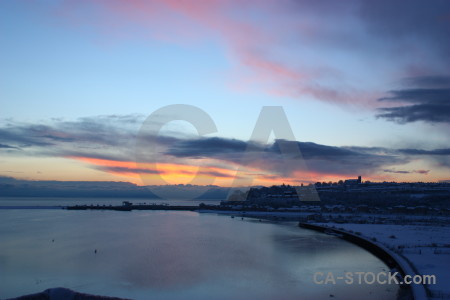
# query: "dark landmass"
[[63, 294], [11, 187]]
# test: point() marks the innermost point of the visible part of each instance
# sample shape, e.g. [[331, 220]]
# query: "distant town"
[[350, 195]]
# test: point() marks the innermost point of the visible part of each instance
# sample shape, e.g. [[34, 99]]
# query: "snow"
[[426, 248]]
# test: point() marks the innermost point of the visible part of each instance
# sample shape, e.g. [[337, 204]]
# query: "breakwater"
[[360, 241], [391, 259], [132, 207]]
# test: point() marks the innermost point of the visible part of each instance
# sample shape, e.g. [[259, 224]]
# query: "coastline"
[[390, 258]]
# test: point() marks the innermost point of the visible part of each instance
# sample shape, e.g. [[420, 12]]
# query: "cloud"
[[161, 171], [106, 137], [345, 160], [319, 158], [174, 172], [424, 172], [428, 101], [444, 151], [23, 137], [218, 147], [107, 144], [440, 156], [207, 147], [3, 146], [301, 49], [421, 112], [125, 170], [312, 150]]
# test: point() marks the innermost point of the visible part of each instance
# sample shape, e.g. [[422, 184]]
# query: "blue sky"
[[326, 63]]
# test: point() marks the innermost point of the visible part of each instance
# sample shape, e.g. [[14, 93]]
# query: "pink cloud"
[[255, 33]]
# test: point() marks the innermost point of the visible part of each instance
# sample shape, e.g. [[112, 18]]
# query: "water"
[[6, 202], [175, 255]]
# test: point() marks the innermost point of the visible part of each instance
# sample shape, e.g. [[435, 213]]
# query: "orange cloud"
[[177, 173], [172, 173]]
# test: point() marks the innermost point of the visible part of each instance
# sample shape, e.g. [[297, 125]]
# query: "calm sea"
[[173, 255]]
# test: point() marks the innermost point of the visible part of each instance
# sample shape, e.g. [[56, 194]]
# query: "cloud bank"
[[106, 143]]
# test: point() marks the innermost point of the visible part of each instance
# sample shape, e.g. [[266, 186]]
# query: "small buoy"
[[53, 240], [95, 251]]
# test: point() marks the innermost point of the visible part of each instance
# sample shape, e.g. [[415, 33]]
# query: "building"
[[353, 181]]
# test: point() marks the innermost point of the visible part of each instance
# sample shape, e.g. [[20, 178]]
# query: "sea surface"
[[173, 255], [24, 202]]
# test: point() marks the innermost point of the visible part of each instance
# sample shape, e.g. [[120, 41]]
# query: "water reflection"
[[174, 255]]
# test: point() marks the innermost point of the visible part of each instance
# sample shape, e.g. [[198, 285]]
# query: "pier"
[[133, 207]]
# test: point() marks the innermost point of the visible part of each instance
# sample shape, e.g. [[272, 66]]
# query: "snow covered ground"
[[427, 248]]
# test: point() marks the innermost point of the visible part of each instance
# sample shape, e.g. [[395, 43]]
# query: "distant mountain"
[[11, 187]]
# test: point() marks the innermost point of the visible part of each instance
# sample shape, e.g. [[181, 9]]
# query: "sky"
[[349, 88]]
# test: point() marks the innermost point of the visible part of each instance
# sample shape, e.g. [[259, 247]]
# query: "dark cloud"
[[125, 170], [220, 147], [7, 147], [439, 156], [396, 171], [421, 112], [312, 150], [429, 101], [119, 154], [22, 137], [206, 147], [422, 171], [420, 96], [425, 172], [418, 32], [216, 174], [445, 151], [349, 160], [318, 158], [114, 139], [103, 137]]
